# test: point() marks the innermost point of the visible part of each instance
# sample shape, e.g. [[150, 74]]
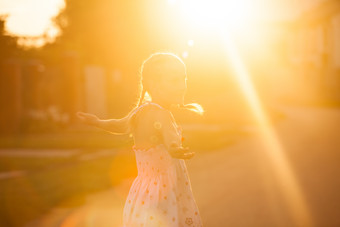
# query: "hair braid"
[[142, 95]]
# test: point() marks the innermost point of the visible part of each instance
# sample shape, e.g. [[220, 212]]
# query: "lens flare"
[[291, 189], [236, 15]]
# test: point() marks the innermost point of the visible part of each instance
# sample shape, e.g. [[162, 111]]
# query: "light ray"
[[290, 187], [237, 15]]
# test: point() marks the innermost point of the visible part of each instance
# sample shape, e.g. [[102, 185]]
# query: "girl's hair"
[[151, 70]]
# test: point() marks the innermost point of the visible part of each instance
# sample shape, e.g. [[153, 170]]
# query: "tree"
[[8, 44]]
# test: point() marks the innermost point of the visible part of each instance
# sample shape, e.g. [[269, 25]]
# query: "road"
[[294, 181]]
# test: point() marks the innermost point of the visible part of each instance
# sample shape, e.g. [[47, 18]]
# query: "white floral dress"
[[161, 194]]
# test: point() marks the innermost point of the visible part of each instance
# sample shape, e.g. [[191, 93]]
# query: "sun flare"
[[274, 151], [217, 14]]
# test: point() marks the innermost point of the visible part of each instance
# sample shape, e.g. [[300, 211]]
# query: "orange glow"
[[246, 65], [288, 183], [235, 15], [32, 18]]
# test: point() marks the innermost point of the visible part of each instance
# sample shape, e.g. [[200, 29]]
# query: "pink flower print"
[[189, 221]]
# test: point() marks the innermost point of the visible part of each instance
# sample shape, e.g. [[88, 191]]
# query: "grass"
[[69, 140], [65, 181], [28, 163], [62, 182]]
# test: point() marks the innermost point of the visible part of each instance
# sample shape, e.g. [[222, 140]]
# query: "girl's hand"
[[87, 118], [180, 152]]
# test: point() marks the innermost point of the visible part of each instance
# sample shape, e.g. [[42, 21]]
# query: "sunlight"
[[289, 185], [171, 2], [32, 19], [191, 43], [240, 21], [236, 15]]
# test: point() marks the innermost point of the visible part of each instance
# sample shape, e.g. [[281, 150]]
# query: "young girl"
[[161, 194]]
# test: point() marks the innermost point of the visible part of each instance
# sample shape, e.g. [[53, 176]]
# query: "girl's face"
[[172, 84]]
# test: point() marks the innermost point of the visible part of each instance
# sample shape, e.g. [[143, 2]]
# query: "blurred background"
[[267, 73]]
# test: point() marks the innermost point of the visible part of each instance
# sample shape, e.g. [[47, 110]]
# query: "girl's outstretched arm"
[[116, 126]]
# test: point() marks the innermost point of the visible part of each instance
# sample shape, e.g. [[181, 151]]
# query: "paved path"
[[236, 186]]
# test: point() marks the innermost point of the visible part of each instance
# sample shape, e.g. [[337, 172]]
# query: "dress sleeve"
[[169, 129], [163, 122]]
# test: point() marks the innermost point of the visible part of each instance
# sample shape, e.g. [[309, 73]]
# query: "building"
[[314, 47]]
